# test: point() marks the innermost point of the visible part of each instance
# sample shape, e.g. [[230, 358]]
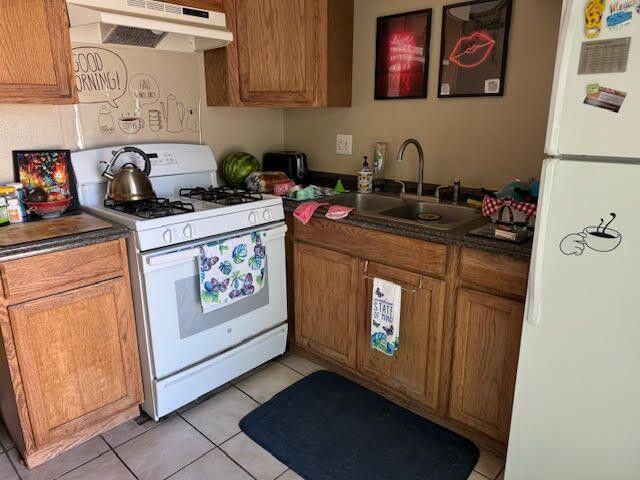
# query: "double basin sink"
[[430, 214]]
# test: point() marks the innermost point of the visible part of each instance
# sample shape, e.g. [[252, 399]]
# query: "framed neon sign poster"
[[473, 51], [402, 55]]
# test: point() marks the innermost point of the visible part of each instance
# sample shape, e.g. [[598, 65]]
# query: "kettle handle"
[[116, 154]]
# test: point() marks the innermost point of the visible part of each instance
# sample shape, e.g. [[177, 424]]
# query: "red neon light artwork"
[[473, 50]]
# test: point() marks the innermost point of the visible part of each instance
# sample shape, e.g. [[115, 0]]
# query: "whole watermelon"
[[238, 166]]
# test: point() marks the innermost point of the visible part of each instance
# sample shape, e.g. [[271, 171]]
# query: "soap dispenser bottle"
[[365, 178]]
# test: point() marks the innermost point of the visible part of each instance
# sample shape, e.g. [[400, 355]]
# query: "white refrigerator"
[[576, 412]]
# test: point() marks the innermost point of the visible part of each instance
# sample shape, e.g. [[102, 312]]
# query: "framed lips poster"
[[402, 55], [473, 52]]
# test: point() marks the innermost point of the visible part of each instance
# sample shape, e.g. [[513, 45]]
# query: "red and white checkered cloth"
[[491, 206]]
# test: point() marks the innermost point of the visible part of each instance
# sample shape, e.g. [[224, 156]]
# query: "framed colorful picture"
[[473, 51], [50, 170], [402, 55]]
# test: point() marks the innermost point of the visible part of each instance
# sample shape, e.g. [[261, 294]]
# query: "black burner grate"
[[221, 195], [153, 208]]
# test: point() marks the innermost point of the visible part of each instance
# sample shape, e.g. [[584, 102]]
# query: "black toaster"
[[294, 164]]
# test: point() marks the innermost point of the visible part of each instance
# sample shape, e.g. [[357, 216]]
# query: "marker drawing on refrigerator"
[[600, 238]]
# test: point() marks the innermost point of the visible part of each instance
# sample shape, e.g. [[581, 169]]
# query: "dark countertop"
[[54, 244], [459, 236]]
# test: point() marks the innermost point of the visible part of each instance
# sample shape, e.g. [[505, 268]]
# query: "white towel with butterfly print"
[[231, 270], [385, 316]]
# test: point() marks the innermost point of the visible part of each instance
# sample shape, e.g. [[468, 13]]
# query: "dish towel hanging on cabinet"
[[385, 316], [231, 270]]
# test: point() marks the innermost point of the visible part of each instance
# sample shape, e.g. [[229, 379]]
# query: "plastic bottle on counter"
[[14, 212], [4, 215], [365, 178], [20, 193]]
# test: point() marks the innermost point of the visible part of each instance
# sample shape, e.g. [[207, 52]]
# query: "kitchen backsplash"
[[134, 95]]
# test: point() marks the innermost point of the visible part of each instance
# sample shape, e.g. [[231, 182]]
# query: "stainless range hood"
[[147, 23]]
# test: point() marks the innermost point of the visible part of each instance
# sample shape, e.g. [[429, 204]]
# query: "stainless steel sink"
[[365, 202], [433, 215], [428, 214]]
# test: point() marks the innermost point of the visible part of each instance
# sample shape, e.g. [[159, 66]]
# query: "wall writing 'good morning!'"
[[136, 95]]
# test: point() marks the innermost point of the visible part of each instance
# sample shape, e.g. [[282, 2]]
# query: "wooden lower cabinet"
[[326, 292], [69, 365], [414, 370], [460, 323], [485, 359], [77, 356]]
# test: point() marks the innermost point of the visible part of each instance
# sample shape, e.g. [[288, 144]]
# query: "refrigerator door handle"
[[534, 293]]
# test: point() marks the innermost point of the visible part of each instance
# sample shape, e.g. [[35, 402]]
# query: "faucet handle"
[[403, 187]]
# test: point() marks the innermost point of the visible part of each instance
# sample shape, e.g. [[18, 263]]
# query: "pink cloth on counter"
[[305, 211], [336, 212]]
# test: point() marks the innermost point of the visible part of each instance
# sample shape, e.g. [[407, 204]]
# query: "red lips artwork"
[[472, 50]]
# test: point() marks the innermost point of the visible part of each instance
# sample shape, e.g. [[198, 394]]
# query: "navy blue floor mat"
[[326, 427]]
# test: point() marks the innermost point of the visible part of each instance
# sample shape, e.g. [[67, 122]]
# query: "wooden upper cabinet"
[[326, 296], [485, 360], [78, 359], [288, 53], [276, 50], [414, 370], [35, 53]]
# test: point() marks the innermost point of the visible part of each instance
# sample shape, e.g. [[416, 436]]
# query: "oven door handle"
[[173, 257], [182, 255]]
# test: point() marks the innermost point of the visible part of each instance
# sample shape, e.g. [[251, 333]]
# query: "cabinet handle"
[[409, 290]]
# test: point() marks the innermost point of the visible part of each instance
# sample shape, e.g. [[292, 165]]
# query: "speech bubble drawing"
[[101, 75], [144, 89]]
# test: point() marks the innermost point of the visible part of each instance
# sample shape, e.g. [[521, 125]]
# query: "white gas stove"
[[184, 352], [175, 167]]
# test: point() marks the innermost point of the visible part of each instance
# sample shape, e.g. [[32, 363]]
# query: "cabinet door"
[[326, 296], [414, 370], [485, 359], [78, 358], [35, 52], [277, 42]]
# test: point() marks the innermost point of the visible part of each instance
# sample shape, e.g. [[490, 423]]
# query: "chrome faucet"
[[403, 147]]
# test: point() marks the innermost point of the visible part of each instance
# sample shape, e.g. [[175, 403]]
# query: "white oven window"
[[191, 319]]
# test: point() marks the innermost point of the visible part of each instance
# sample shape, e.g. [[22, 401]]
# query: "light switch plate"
[[344, 144]]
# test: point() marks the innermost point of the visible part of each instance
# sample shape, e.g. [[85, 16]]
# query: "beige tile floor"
[[200, 442]]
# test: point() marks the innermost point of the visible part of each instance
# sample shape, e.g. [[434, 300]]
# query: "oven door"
[[181, 334]]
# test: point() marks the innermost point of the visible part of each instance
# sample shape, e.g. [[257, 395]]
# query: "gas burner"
[[153, 208], [221, 195]]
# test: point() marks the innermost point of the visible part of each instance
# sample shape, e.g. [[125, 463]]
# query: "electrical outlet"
[[344, 144]]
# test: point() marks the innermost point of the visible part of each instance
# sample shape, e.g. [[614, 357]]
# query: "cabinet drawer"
[[385, 248], [42, 275], [498, 273]]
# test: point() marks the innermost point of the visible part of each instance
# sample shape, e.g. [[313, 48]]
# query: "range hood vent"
[[147, 23]]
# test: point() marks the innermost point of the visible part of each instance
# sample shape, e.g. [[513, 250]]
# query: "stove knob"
[[188, 231], [252, 217], [266, 215], [166, 236]]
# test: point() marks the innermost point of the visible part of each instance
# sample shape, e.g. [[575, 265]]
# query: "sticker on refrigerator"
[[598, 238], [604, 56], [620, 13], [605, 98], [445, 89], [593, 13]]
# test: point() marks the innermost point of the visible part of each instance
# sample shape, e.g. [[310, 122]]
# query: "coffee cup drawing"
[[601, 238], [131, 125]]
